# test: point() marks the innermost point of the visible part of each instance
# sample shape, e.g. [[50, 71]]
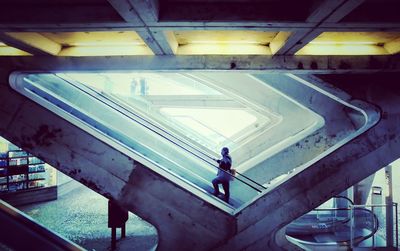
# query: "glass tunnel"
[[180, 121]]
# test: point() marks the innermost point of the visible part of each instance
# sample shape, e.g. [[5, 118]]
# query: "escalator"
[[87, 107], [333, 228], [165, 181], [21, 232]]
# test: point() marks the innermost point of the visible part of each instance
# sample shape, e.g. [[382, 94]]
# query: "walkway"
[[80, 215]]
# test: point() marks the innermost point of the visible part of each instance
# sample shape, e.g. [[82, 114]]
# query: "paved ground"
[[80, 215]]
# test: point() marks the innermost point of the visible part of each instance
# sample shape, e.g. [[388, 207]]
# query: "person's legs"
[[225, 185], [215, 183]]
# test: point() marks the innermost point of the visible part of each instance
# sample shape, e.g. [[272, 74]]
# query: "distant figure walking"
[[223, 175]]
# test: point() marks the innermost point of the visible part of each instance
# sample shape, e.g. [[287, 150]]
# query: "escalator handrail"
[[346, 242], [376, 223], [344, 197], [177, 139], [139, 117]]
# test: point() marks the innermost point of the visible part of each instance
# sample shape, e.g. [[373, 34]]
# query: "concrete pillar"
[[343, 203], [389, 206], [362, 190]]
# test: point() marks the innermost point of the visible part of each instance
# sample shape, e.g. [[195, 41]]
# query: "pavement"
[[81, 215]]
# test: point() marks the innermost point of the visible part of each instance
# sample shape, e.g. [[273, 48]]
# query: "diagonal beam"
[[285, 44], [343, 10], [317, 15], [150, 41], [126, 11], [323, 10], [333, 14], [308, 37], [166, 40], [32, 43], [147, 10], [160, 42]]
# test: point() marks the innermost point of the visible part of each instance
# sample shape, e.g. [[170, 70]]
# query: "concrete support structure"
[[389, 208], [184, 220]]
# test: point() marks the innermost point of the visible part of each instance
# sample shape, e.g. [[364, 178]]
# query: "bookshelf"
[[24, 178]]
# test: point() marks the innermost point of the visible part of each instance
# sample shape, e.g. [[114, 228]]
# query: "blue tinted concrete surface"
[[80, 215]]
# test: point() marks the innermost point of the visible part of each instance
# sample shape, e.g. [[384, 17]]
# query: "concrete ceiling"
[[227, 30]]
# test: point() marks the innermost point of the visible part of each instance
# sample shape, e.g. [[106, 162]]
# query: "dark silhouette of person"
[[223, 175], [117, 217]]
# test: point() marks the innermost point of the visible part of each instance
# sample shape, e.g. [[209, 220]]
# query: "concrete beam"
[[160, 42], [166, 40], [292, 40], [297, 38], [327, 11], [176, 26], [323, 9], [150, 41], [126, 11], [303, 41], [294, 64], [32, 43], [346, 8], [367, 26], [147, 10]]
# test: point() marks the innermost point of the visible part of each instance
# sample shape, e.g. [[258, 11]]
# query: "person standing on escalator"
[[223, 175]]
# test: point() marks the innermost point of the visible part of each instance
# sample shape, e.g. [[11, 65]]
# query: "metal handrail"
[[345, 242]]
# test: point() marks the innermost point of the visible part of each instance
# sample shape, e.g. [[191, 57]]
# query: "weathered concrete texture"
[[182, 219], [9, 107], [277, 64], [259, 223], [338, 124], [65, 147]]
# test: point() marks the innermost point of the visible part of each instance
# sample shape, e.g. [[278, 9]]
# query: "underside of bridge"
[[135, 98]]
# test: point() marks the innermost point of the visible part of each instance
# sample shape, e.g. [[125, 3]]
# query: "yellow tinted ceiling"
[[356, 37], [224, 36], [202, 42], [353, 43], [110, 43], [94, 38], [223, 42], [6, 50]]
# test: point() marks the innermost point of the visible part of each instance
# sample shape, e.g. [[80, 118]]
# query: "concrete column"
[[389, 206], [362, 190], [343, 203]]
